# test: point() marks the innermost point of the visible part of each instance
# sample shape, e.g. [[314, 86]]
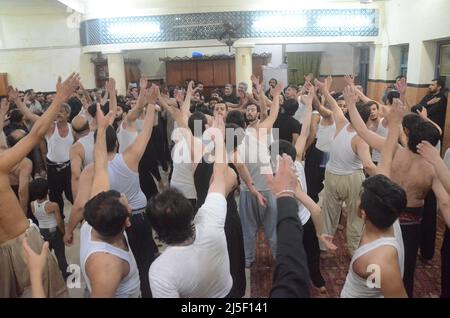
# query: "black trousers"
[[445, 265], [143, 247], [411, 239], [313, 172], [311, 245], [56, 243], [59, 181], [428, 227]]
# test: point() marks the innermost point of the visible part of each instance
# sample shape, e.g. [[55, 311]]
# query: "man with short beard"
[[435, 102]]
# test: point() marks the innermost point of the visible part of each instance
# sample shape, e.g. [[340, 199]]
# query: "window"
[[404, 60], [443, 62]]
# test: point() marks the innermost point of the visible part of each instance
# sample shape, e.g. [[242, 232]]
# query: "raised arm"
[[338, 115], [261, 95], [75, 167], [373, 140], [111, 88], [4, 107], [270, 120], [220, 170], [133, 154], [86, 94], [10, 157], [394, 118], [301, 140], [135, 112], [27, 113], [431, 154], [101, 178]]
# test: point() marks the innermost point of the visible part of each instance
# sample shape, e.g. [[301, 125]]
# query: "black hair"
[[363, 110], [416, 108], [258, 108], [111, 139], [274, 79], [286, 147], [439, 82], [290, 106], [193, 118], [171, 215], [12, 139], [293, 87], [92, 109], [15, 116], [391, 95], [106, 214], [372, 102], [411, 120], [424, 130], [38, 189], [382, 200], [238, 136], [236, 117], [399, 77]]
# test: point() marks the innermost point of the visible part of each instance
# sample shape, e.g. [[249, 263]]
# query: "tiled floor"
[[334, 270]]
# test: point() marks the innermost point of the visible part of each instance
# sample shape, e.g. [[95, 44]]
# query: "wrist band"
[[285, 192]]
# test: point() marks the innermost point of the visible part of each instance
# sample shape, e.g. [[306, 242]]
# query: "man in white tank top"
[[349, 155], [377, 266], [123, 177], [377, 124], [127, 129], [82, 151], [14, 226], [103, 242]]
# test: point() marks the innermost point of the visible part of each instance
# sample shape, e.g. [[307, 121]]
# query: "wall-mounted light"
[[272, 23], [331, 21], [134, 29]]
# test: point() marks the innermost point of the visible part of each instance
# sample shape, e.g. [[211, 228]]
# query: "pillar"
[[244, 64], [116, 70], [87, 71]]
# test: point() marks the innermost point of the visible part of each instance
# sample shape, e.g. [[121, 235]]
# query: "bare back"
[[413, 174], [12, 219]]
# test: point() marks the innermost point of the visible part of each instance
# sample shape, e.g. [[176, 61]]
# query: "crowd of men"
[[288, 159]]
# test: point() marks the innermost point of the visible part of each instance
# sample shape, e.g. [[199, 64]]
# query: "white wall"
[[418, 23], [337, 59], [35, 49]]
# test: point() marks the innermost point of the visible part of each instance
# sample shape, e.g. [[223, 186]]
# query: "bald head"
[[80, 124]]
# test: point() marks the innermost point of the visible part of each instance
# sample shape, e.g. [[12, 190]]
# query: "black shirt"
[[287, 125], [231, 99], [436, 111]]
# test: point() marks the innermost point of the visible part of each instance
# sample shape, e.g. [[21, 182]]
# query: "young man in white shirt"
[[196, 262]]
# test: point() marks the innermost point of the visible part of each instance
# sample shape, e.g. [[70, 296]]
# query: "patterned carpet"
[[427, 277]]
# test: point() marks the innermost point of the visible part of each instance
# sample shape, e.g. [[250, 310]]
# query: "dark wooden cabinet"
[[213, 71], [3, 84], [132, 71]]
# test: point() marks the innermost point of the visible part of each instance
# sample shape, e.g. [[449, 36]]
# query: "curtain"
[[301, 64]]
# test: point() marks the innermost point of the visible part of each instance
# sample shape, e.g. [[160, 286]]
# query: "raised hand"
[[349, 79], [190, 88], [66, 88], [423, 113], [350, 95], [308, 99], [401, 86], [152, 94], [111, 86], [255, 81], [308, 78], [103, 121], [143, 82], [35, 262], [13, 93], [276, 91], [397, 112], [285, 180], [430, 153]]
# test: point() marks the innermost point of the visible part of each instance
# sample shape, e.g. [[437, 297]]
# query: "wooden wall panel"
[[173, 73], [221, 72], [188, 70], [3, 84], [205, 72], [232, 72]]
